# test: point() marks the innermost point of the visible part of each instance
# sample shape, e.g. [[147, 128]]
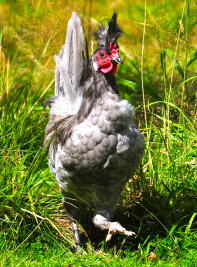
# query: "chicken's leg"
[[74, 227], [76, 234], [113, 227]]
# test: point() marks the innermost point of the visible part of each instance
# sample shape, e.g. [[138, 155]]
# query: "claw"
[[116, 228]]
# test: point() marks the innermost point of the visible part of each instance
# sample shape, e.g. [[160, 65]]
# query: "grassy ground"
[[158, 76]]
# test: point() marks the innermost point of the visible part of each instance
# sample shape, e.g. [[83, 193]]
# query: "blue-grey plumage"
[[94, 146]]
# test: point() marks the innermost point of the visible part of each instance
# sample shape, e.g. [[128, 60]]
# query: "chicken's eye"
[[102, 55]]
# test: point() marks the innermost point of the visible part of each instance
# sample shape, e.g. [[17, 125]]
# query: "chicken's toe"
[[116, 228]]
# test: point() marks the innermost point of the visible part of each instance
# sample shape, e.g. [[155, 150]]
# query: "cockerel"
[[94, 146]]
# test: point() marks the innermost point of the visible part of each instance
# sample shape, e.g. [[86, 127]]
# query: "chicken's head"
[[106, 57], [106, 61]]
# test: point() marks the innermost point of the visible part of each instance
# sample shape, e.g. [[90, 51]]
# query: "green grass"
[[170, 251], [158, 76]]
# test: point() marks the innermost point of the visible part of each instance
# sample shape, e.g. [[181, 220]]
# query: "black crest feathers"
[[109, 34]]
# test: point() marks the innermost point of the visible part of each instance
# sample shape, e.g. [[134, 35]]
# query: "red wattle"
[[114, 69], [106, 69]]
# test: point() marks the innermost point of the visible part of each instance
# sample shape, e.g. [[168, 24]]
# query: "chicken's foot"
[[113, 227]]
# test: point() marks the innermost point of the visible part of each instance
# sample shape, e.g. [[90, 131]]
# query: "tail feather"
[[70, 64]]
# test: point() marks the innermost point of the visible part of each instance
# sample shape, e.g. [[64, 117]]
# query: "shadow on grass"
[[153, 215]]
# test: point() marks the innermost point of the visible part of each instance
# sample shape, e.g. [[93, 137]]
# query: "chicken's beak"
[[117, 60]]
